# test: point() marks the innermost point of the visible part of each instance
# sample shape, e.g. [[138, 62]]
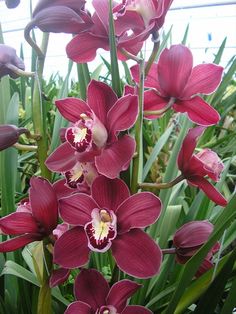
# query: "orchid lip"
[[101, 230], [74, 176]]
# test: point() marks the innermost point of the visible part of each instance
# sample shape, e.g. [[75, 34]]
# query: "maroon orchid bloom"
[[9, 62], [93, 136], [110, 219], [190, 238], [130, 33], [9, 135], [60, 16], [194, 167], [94, 296], [176, 83], [33, 220]]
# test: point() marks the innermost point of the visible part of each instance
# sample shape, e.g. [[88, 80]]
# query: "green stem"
[[38, 111], [138, 162], [152, 58], [29, 148], [129, 55], [31, 42], [161, 186], [169, 251], [160, 112]]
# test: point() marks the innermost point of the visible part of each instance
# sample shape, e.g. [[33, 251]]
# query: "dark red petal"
[[71, 249], [101, 98], [76, 209], [116, 157], [120, 292], [204, 79], [102, 10], [137, 254], [75, 5], [62, 190], [153, 102], [78, 308], [83, 47], [58, 276], [71, 108], [136, 309], [123, 114], [18, 242], [91, 288], [44, 203], [109, 194], [62, 159], [188, 146], [138, 211], [198, 111], [18, 223], [174, 68], [209, 190]]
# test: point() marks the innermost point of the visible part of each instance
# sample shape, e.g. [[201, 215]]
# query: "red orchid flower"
[[94, 296], [190, 238], [130, 33], [34, 220], [195, 167], [93, 137], [9, 62], [176, 83], [110, 218]]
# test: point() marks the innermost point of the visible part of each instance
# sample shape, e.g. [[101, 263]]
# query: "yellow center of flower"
[[79, 134]]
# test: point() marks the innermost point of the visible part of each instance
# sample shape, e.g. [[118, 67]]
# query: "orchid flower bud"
[[11, 4], [9, 135], [10, 63]]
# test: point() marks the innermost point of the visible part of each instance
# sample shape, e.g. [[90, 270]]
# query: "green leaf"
[[230, 301]]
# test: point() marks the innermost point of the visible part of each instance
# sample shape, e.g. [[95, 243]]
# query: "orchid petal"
[[101, 99], [209, 190], [71, 249], [120, 292], [44, 204], [137, 254], [76, 209], [102, 10], [62, 190], [198, 111], [72, 108], [62, 159], [136, 309], [115, 158], [78, 307], [18, 242], [91, 288], [75, 5], [18, 223], [176, 63], [109, 193], [138, 211], [153, 102], [204, 79], [58, 276], [151, 79]]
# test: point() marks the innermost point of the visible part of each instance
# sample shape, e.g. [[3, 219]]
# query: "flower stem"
[[138, 162], [169, 251], [29, 148], [161, 186], [156, 41], [129, 55], [31, 42], [160, 112]]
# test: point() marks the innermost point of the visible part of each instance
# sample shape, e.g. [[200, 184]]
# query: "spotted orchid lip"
[[79, 136], [101, 230]]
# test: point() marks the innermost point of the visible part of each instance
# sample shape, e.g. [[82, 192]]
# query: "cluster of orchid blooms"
[[95, 205]]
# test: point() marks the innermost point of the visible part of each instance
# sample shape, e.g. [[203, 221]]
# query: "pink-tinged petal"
[[120, 292], [129, 90], [102, 10], [18, 223], [130, 20], [62, 159], [137, 254], [76, 209], [204, 267], [101, 99], [75, 5], [109, 193], [78, 308], [58, 277], [151, 79], [198, 111], [91, 288], [71, 108], [174, 68], [153, 102], [71, 249], [83, 47], [192, 234], [209, 190], [138, 211], [18, 242], [62, 190], [204, 79], [44, 203], [115, 158], [123, 114], [136, 309], [188, 146]]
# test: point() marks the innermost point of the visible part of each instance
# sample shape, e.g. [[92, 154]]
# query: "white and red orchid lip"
[[101, 230], [75, 176], [79, 136]]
